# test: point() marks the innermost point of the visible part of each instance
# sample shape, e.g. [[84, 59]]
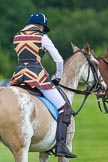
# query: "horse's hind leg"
[[18, 142], [43, 157]]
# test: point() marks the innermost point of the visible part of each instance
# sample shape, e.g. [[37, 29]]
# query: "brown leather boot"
[[61, 148]]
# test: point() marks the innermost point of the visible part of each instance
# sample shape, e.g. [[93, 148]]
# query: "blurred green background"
[[90, 141], [79, 21]]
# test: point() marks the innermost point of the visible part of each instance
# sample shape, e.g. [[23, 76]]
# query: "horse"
[[103, 65], [26, 125], [103, 68]]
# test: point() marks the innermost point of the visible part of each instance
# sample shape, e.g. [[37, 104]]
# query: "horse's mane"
[[102, 58], [73, 53], [99, 57], [68, 58]]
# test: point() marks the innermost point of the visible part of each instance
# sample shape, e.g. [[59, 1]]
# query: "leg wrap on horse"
[[63, 121]]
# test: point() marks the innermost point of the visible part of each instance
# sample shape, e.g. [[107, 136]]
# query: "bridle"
[[104, 98], [97, 83]]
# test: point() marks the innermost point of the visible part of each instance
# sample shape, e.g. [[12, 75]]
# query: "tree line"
[[77, 21]]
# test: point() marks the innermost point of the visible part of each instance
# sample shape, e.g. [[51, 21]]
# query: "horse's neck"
[[103, 67], [73, 70]]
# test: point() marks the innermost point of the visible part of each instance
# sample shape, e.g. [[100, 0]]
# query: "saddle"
[[36, 92], [32, 91]]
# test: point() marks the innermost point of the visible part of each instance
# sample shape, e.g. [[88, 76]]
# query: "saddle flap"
[[52, 109]]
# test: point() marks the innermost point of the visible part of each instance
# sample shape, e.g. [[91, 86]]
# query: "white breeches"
[[53, 96]]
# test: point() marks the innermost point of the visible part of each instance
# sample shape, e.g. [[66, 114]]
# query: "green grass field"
[[90, 142]]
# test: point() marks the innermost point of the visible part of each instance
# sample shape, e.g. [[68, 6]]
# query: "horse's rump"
[[22, 117]]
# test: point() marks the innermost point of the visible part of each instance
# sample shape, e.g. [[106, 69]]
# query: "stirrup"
[[51, 151]]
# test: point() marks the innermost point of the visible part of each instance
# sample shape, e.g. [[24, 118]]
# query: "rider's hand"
[[56, 81]]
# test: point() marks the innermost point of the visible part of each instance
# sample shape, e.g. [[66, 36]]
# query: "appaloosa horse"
[[25, 122]]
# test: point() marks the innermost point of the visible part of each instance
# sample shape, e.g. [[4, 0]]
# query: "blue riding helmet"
[[39, 18]]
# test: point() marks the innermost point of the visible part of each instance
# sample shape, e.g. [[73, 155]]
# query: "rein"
[[104, 102], [104, 98], [86, 92]]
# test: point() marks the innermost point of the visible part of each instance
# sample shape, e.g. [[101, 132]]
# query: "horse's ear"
[[74, 47], [105, 56], [87, 48], [93, 53]]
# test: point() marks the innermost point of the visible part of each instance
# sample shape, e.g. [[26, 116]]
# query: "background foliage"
[[77, 21]]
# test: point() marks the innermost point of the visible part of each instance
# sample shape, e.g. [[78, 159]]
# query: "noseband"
[[96, 85]]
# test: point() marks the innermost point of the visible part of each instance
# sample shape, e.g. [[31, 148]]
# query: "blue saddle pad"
[[52, 109]]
